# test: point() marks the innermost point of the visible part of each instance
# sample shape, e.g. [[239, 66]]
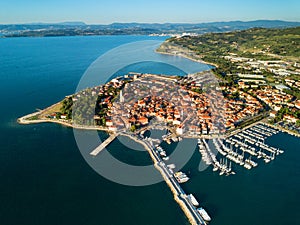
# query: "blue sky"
[[161, 11]]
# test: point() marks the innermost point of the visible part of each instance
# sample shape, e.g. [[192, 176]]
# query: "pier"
[[179, 195], [103, 145]]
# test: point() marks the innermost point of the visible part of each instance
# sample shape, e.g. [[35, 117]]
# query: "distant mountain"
[[72, 23], [80, 28], [241, 24]]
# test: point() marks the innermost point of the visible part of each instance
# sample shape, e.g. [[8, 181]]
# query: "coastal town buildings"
[[192, 105]]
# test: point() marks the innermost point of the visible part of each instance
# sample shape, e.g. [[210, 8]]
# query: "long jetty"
[[179, 195], [103, 145]]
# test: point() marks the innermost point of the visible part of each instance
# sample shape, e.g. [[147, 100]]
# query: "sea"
[[45, 180]]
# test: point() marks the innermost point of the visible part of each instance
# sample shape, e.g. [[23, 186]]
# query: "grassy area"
[[36, 117], [50, 110], [256, 43]]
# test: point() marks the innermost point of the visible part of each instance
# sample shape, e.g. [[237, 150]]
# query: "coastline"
[[26, 119], [181, 54], [282, 129], [22, 120], [187, 57]]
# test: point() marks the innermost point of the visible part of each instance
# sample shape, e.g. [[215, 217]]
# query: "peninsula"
[[250, 95]]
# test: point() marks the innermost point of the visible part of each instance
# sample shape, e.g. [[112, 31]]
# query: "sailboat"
[[242, 158], [272, 155], [267, 159], [215, 168], [221, 167], [230, 169], [259, 153]]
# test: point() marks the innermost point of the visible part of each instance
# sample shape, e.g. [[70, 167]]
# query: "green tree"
[[133, 128]]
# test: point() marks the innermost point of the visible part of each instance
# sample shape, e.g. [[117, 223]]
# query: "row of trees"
[[286, 111], [66, 109], [83, 110]]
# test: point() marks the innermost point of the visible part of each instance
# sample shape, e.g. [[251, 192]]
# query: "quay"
[[282, 129], [179, 195], [105, 143]]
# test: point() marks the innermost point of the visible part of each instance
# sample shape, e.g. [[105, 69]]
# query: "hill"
[[80, 28], [248, 43]]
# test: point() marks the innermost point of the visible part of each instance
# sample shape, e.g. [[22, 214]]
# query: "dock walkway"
[[97, 150]]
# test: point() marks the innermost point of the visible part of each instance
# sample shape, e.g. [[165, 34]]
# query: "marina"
[[244, 148]]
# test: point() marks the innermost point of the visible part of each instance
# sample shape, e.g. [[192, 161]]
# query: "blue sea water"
[[45, 180]]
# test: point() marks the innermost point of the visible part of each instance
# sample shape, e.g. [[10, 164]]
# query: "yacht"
[[204, 214]]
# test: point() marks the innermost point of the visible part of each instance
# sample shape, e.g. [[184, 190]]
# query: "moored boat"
[[181, 177], [193, 200], [204, 214]]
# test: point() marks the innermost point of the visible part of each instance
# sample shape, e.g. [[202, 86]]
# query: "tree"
[[58, 114], [133, 128], [103, 121], [66, 108]]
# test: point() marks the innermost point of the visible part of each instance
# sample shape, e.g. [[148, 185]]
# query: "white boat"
[[171, 166], [182, 180], [193, 200], [204, 214], [163, 153], [247, 166], [181, 177], [174, 139]]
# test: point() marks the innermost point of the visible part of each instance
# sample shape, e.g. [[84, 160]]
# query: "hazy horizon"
[[117, 22], [155, 11]]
